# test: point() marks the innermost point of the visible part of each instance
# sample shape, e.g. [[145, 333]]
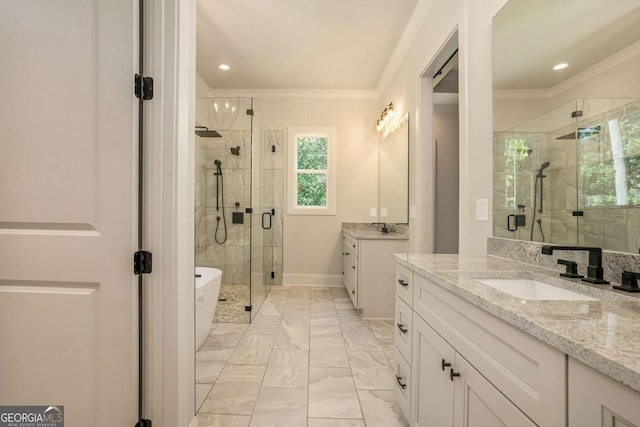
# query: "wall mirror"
[[567, 122], [394, 174]]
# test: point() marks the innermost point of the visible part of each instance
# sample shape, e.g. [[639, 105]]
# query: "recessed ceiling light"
[[560, 66], [224, 67]]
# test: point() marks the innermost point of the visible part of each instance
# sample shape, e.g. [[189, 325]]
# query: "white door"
[[433, 389], [68, 167], [479, 404]]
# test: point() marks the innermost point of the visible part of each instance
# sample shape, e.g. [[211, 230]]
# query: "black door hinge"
[[143, 87], [142, 261], [273, 148], [249, 111], [273, 274], [249, 210], [247, 307], [143, 423]]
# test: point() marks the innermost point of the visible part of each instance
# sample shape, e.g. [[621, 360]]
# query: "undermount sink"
[[533, 290]]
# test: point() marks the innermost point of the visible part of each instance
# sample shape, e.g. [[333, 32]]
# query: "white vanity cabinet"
[[469, 368], [596, 400], [368, 269]]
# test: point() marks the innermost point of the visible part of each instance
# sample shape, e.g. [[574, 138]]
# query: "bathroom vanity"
[[473, 353], [368, 269]]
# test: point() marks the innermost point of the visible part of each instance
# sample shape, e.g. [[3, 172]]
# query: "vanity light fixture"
[[385, 117], [560, 66], [223, 67]]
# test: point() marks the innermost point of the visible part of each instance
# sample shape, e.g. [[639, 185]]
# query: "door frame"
[[169, 214]]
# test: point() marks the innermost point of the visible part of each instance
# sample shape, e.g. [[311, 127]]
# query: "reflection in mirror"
[[394, 174], [567, 142]]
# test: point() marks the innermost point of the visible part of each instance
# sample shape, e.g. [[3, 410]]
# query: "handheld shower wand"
[[540, 176], [219, 200]]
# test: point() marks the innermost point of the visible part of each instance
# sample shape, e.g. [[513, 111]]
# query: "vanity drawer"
[[404, 284], [351, 243], [403, 329], [402, 388]]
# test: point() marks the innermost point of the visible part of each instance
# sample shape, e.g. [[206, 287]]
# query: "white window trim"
[[292, 134]]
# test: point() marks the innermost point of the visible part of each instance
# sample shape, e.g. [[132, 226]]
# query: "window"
[[312, 166]]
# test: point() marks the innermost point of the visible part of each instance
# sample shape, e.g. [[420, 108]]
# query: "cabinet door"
[[596, 400], [479, 404], [346, 269], [432, 394]]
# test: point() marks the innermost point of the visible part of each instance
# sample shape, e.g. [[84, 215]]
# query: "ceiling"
[[298, 44], [531, 36]]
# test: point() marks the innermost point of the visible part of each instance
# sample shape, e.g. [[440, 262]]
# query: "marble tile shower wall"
[[614, 228], [233, 255]]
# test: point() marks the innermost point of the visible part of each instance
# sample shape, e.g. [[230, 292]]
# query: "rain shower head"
[[204, 132]]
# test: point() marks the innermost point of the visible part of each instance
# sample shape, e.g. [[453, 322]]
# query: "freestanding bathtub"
[[207, 290]]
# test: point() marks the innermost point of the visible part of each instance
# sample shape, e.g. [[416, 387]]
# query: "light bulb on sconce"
[[385, 117]]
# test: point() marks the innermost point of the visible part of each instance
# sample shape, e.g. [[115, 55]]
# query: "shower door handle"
[[266, 215]]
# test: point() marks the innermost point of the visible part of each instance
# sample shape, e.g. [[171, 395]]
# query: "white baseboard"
[[326, 280]]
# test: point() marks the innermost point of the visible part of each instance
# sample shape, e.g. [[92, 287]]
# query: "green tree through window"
[[311, 170]]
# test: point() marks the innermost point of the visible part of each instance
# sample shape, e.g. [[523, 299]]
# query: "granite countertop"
[[374, 234], [601, 334]]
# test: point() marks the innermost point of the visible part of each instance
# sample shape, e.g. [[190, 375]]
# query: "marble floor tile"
[[287, 368], [329, 358], [201, 393], [358, 337], [280, 407], [293, 336], [208, 372], [327, 340], [324, 321], [379, 409], [225, 335], [213, 354], [332, 394], [371, 370], [382, 329], [253, 350], [321, 295], [219, 420], [264, 326], [334, 422], [340, 292], [235, 392]]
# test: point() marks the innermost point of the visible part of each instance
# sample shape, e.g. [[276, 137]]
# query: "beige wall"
[[473, 20], [620, 81], [312, 244]]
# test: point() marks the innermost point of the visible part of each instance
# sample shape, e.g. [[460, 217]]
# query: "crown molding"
[[587, 74]]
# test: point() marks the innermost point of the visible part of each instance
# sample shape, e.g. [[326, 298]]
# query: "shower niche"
[[571, 176], [238, 181]]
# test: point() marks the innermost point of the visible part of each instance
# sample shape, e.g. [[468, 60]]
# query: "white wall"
[[312, 244], [473, 21]]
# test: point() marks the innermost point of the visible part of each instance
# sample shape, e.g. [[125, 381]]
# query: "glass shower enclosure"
[[236, 215]]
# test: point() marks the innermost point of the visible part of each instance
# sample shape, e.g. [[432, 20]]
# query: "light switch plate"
[[374, 212], [482, 210]]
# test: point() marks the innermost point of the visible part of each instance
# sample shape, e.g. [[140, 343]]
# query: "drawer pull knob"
[[445, 364], [453, 374], [402, 328], [353, 266], [403, 283], [398, 378], [353, 292], [354, 246]]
